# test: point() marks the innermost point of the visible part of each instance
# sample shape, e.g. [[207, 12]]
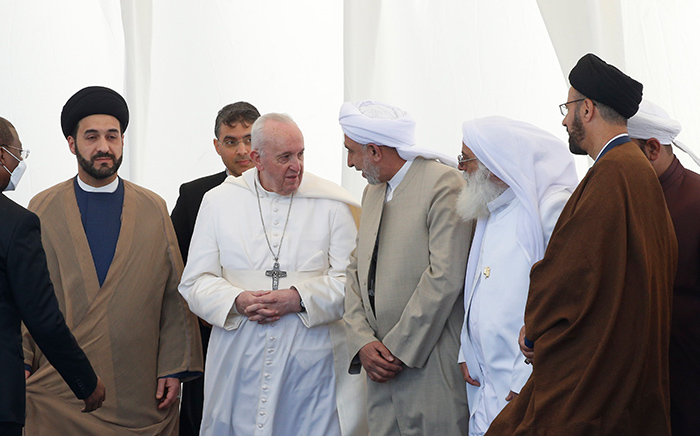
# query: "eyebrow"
[[97, 131], [234, 137]]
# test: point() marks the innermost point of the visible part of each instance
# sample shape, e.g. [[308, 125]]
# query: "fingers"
[[95, 400], [172, 392], [373, 357], [511, 396]]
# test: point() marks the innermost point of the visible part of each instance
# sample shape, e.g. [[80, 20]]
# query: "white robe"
[[495, 294], [288, 377]]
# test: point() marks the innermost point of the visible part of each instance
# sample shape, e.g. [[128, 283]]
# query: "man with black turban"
[[597, 318], [115, 264]]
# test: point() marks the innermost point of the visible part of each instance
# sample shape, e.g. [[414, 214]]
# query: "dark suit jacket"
[[184, 213], [26, 294]]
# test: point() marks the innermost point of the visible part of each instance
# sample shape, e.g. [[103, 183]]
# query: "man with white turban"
[[403, 298], [653, 130], [519, 178]]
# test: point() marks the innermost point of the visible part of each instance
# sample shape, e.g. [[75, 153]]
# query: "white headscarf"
[[372, 122], [531, 161], [651, 121]]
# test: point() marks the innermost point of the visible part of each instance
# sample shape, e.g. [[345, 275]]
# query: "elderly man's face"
[[98, 146], [281, 165], [359, 159], [469, 162]]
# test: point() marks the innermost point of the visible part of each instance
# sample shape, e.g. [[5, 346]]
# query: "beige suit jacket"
[[423, 249]]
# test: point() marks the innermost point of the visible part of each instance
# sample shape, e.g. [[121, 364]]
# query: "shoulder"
[[202, 184], [51, 196], [145, 197], [12, 213]]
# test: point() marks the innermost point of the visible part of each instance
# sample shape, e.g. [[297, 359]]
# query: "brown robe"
[[134, 329], [682, 191], [599, 310]]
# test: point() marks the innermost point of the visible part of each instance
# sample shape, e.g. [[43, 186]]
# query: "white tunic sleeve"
[[209, 295], [324, 295]]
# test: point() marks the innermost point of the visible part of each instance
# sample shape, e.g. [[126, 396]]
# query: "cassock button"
[[260, 426], [275, 222], [272, 338], [262, 413], [268, 363], [265, 388], [268, 375], [264, 400], [275, 209]]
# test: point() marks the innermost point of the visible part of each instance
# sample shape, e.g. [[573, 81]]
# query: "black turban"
[[602, 82], [93, 100]]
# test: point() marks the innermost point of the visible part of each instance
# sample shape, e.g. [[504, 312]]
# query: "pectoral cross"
[[487, 271], [275, 273]]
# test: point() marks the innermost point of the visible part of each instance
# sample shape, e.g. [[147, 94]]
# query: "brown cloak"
[[599, 310], [134, 329]]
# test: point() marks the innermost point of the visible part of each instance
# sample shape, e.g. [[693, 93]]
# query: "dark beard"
[[98, 173], [576, 136]]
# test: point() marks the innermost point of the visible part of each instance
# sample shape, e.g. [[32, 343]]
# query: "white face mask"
[[15, 175]]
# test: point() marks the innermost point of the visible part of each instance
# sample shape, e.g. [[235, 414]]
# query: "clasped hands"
[[265, 307], [380, 365]]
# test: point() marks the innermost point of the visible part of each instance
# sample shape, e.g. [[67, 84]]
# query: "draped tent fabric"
[[178, 62]]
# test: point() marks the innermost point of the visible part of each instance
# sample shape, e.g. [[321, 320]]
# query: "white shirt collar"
[[110, 188], [396, 180], [502, 200]]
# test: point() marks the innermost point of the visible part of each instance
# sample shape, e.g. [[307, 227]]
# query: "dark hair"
[[233, 113], [607, 113], [6, 136]]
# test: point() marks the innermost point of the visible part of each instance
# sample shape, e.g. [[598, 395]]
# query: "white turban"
[[368, 122], [534, 163], [651, 121]]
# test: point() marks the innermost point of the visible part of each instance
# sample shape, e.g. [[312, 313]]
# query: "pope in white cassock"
[[519, 178], [266, 268]]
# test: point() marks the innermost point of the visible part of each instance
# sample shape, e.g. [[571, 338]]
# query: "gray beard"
[[479, 191]]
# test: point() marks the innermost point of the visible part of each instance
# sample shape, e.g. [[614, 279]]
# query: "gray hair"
[[260, 137]]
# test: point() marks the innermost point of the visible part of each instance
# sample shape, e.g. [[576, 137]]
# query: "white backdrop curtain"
[[178, 62]]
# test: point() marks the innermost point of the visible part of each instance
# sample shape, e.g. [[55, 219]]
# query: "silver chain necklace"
[[275, 272]]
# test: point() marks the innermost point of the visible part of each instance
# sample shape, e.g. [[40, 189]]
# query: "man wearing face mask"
[[26, 295]]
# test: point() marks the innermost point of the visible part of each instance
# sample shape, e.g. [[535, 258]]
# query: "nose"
[[242, 149], [102, 145]]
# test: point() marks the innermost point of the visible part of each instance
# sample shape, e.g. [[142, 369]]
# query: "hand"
[[465, 374], [272, 305], [528, 352], [245, 305], [380, 364], [168, 391], [511, 396], [27, 373], [94, 401]]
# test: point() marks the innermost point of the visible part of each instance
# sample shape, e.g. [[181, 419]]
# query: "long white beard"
[[479, 191]]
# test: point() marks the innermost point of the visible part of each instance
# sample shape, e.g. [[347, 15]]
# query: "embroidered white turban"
[[369, 121]]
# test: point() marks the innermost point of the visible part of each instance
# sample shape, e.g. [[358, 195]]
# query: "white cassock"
[[288, 377], [496, 287]]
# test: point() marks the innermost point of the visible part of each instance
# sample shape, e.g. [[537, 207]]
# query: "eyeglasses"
[[564, 109], [23, 152], [234, 142], [461, 158]]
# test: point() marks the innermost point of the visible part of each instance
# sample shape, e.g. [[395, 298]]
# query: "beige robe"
[[134, 329], [423, 248]]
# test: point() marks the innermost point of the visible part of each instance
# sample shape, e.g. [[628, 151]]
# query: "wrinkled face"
[[98, 146], [359, 158], [470, 164], [233, 145], [573, 124], [281, 164]]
